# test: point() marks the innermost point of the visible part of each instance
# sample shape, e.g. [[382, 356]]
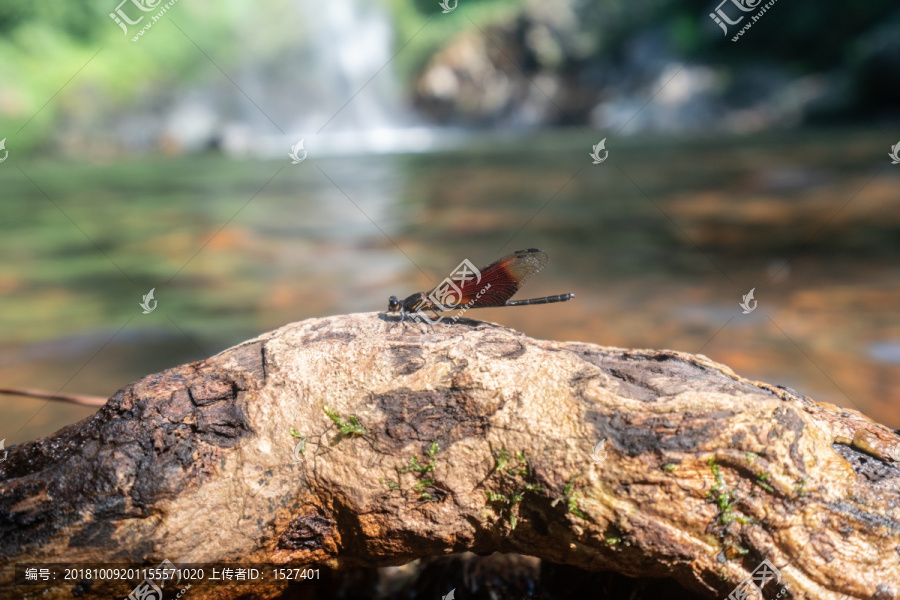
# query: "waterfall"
[[324, 75], [350, 42]]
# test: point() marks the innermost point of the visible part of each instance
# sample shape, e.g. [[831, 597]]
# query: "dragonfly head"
[[393, 304]]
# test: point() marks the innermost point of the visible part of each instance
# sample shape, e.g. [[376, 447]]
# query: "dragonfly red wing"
[[505, 277], [493, 286]]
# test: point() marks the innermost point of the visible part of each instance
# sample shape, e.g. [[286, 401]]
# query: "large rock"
[[470, 438]]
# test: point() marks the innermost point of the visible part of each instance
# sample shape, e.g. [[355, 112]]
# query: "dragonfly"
[[490, 287]]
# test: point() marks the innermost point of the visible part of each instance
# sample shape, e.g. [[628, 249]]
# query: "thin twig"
[[45, 395]]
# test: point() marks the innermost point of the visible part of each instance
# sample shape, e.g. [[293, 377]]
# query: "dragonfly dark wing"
[[501, 279]]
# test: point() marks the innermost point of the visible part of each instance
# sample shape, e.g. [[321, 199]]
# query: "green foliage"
[[495, 497], [43, 44], [432, 450], [78, 19], [73, 46], [761, 481], [516, 471], [416, 466], [350, 427], [420, 468], [423, 483], [726, 499], [570, 497], [392, 485], [501, 457]]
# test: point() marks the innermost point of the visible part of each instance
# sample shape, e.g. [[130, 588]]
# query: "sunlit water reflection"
[[659, 243]]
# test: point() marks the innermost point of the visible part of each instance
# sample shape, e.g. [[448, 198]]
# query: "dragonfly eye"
[[393, 304]]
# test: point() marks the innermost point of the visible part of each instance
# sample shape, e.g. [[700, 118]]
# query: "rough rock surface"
[[471, 438]]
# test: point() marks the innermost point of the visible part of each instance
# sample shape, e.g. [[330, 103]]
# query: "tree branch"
[[45, 395]]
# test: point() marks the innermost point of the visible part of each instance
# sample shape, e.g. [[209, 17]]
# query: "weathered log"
[[474, 437]]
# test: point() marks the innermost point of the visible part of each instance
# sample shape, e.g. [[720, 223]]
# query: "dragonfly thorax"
[[410, 304]]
